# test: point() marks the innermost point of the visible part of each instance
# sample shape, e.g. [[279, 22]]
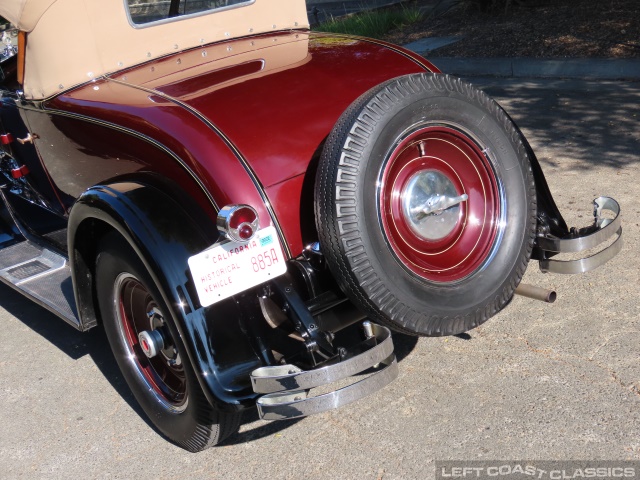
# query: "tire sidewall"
[[178, 426], [418, 304]]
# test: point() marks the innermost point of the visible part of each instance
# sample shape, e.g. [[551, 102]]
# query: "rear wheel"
[[425, 205], [162, 381]]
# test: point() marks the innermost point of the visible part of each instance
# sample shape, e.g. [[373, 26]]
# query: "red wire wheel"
[[138, 312], [425, 205], [439, 203], [164, 383]]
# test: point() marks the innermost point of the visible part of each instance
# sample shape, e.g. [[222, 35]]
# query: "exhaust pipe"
[[537, 293]]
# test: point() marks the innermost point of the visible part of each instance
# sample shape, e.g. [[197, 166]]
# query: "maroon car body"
[[244, 108]]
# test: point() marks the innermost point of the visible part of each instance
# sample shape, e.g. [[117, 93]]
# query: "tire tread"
[[201, 425], [336, 218]]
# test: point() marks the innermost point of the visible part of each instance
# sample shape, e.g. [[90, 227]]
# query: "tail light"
[[238, 222]]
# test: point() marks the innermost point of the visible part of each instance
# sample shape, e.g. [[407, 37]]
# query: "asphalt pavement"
[[538, 381]]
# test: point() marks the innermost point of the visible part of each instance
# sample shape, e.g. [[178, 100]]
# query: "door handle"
[[28, 139]]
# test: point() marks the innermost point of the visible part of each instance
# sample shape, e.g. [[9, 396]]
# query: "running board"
[[287, 386], [42, 275], [581, 240]]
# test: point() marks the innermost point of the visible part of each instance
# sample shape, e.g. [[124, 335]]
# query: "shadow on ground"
[[563, 113], [94, 343], [69, 340]]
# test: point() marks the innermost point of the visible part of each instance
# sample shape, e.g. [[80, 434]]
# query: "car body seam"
[[243, 161], [143, 137], [427, 66]]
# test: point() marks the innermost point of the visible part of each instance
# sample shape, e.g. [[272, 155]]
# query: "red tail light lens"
[[244, 214], [238, 223], [245, 232]]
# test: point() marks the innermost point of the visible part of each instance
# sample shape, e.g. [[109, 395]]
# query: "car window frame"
[[181, 17]]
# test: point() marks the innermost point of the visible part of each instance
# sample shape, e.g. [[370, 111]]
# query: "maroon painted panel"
[[79, 154], [274, 97], [278, 120], [286, 198], [201, 150]]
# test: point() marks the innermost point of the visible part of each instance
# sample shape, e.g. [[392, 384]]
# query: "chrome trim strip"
[[389, 46], [586, 264], [284, 405], [243, 161], [289, 377], [145, 138], [606, 228]]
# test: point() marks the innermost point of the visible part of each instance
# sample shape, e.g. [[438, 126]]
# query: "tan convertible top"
[[24, 14], [73, 41]]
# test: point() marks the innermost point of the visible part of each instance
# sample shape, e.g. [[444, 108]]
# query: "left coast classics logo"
[[543, 470]]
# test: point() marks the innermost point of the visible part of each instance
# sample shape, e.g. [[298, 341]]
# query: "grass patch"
[[374, 24]]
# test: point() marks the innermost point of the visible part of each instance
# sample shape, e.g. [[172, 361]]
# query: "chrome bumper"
[[603, 229], [287, 386]]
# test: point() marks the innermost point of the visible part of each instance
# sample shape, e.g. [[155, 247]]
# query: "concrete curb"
[[604, 69]]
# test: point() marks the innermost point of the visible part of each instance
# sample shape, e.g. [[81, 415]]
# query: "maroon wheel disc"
[[439, 203]]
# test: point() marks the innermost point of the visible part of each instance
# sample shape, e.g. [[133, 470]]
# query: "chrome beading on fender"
[[286, 386]]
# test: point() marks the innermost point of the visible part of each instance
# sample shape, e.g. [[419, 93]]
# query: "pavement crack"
[[607, 340], [632, 387]]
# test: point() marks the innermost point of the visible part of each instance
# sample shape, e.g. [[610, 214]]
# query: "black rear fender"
[[164, 235]]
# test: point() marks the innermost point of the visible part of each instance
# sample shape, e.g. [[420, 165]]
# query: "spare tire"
[[425, 205]]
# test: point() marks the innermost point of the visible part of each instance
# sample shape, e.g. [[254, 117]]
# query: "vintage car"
[[248, 208]]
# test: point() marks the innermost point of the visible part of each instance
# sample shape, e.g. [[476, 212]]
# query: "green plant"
[[373, 23], [412, 14]]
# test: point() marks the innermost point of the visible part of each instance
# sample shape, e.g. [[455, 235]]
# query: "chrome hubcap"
[[431, 204]]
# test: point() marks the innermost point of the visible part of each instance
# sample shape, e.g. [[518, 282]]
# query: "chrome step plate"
[[42, 275], [287, 386]]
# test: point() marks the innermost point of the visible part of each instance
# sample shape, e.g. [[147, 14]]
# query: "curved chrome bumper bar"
[[287, 386], [603, 229]]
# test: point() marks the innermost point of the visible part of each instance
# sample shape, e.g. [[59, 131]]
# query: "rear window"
[[147, 11]]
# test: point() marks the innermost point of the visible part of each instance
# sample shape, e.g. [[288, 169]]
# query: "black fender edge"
[[164, 236], [549, 218]]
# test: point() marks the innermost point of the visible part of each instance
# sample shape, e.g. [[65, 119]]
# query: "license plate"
[[224, 270]]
